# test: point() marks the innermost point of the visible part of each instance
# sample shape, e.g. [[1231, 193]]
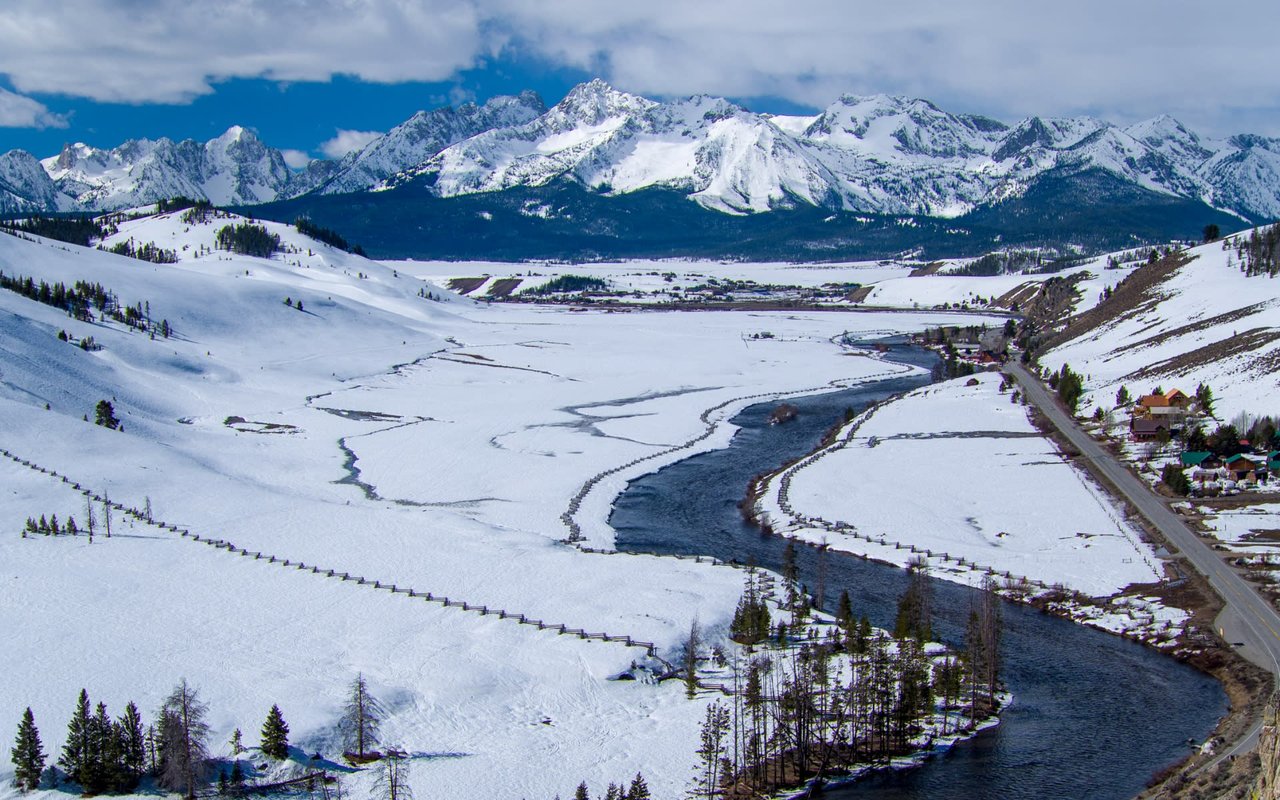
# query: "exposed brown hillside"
[[1137, 294]]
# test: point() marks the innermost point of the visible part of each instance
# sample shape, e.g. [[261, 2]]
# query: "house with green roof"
[[1199, 458], [1241, 467]]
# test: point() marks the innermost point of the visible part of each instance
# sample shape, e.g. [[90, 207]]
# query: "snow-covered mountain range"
[[877, 154]]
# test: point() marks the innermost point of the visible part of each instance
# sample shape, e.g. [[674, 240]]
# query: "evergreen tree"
[[76, 750], [1173, 476], [582, 792], [275, 735], [99, 771], [639, 789], [237, 776], [844, 611], [360, 719], [915, 606], [1204, 399], [237, 743], [133, 747], [27, 754], [104, 414]]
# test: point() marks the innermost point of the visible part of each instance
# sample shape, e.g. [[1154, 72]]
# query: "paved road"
[[1246, 617]]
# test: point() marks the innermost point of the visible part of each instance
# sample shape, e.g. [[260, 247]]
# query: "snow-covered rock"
[[234, 168]]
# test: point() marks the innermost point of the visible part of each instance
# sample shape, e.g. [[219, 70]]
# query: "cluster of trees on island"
[[805, 705], [103, 755]]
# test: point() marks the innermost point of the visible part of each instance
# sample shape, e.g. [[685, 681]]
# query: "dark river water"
[[1094, 715]]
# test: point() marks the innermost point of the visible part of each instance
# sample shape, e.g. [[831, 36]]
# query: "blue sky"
[[300, 72]]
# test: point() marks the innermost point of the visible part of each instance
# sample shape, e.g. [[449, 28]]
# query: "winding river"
[[1094, 715]]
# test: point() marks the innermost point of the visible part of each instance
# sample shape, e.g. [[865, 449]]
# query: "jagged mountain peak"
[[871, 152], [594, 102]]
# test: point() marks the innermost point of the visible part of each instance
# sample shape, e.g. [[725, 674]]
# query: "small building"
[[1201, 459], [1273, 461], [1241, 467], [1150, 402], [1147, 429], [1177, 399]]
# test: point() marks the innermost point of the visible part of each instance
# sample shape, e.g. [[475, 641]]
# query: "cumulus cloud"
[[17, 111], [296, 158], [346, 142], [1003, 57]]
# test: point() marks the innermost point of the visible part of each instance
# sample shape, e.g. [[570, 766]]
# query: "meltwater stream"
[[1094, 715]]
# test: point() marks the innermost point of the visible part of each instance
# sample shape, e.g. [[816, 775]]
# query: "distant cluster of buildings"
[[1158, 416], [1210, 473]]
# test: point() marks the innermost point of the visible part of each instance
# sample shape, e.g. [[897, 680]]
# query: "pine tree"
[[844, 611], [582, 792], [133, 747], [275, 735], [237, 743], [76, 750], [104, 414], [101, 762], [27, 754], [639, 789], [360, 719], [237, 776]]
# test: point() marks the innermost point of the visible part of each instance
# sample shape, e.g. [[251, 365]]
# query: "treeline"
[[321, 234], [1069, 386], [80, 299], [112, 756], [565, 284], [147, 251], [808, 707], [1259, 254], [247, 239], [73, 230]]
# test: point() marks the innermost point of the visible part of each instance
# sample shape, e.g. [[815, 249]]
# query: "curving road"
[[1247, 620]]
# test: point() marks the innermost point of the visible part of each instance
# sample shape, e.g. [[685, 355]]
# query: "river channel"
[[1094, 715]]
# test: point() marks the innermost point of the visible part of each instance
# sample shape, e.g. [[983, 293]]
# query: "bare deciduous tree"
[[360, 719], [183, 738], [393, 777]]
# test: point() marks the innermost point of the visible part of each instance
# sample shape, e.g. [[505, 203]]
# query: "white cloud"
[[173, 50], [17, 111], [347, 141], [1007, 58], [296, 158]]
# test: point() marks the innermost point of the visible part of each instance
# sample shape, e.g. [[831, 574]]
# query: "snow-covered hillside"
[[1180, 323], [366, 428], [876, 153]]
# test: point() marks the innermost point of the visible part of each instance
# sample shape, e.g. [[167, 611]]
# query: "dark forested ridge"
[[1092, 210]]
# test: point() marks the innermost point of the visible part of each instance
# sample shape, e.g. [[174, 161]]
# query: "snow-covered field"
[[430, 445], [958, 469]]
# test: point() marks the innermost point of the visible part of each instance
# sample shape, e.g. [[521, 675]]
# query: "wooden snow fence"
[[484, 610]]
